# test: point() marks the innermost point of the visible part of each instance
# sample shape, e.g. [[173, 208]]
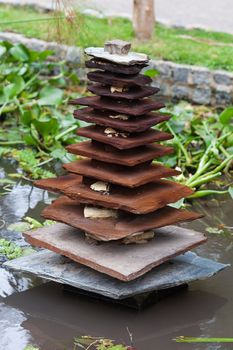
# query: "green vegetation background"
[[196, 47]]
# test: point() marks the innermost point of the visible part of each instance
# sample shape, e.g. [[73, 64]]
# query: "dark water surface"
[[42, 314]]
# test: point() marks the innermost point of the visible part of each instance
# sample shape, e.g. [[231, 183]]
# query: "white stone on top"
[[129, 59]]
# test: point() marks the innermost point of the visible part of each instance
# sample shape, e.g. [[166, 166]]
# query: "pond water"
[[35, 312]]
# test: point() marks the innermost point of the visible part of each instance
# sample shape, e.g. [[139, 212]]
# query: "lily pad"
[[19, 226]]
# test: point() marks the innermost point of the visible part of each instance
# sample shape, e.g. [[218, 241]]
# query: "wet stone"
[[118, 260], [183, 269]]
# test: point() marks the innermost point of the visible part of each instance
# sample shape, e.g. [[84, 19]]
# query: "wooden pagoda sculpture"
[[116, 191]]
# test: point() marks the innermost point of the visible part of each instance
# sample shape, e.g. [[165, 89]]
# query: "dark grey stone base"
[[178, 271]]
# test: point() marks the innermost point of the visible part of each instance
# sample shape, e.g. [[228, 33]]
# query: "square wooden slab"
[[133, 93], [120, 175], [113, 67], [121, 261], [109, 154], [97, 133], [118, 80], [142, 200], [135, 108], [71, 212], [132, 124]]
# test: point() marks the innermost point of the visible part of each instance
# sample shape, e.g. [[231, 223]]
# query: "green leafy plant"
[[98, 343], [203, 143], [37, 122], [93, 343], [10, 249]]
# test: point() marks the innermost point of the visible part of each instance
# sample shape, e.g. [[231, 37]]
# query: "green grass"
[[196, 47]]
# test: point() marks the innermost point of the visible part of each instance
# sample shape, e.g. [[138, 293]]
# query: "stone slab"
[[133, 93], [97, 133], [120, 175], [71, 212], [108, 154], [133, 124], [135, 108], [116, 46], [58, 184], [124, 262], [53, 267], [118, 80], [129, 59], [113, 67], [142, 200]]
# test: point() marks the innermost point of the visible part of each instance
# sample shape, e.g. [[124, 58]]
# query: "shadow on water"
[[42, 313]]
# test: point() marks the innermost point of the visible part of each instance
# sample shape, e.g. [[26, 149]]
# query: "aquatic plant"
[[9, 249], [36, 121], [98, 343], [93, 343], [203, 142]]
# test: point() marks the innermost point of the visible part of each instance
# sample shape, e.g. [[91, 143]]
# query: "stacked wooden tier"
[[121, 153]]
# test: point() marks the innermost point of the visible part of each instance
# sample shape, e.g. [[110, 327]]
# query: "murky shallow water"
[[41, 313]]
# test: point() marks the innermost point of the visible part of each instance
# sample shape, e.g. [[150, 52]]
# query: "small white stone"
[[100, 186], [119, 116], [110, 131], [99, 213], [123, 134], [117, 89], [139, 237]]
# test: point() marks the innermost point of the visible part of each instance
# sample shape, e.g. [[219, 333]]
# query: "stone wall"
[[176, 81], [196, 84], [70, 54]]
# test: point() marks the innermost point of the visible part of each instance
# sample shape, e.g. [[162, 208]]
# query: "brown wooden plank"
[[109, 154], [113, 67], [133, 93], [96, 132], [118, 80], [70, 212], [120, 175], [133, 124], [58, 184], [120, 261], [140, 200], [135, 108]]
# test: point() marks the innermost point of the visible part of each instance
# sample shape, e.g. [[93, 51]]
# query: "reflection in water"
[[10, 283], [19, 201], [58, 317], [13, 335], [54, 317]]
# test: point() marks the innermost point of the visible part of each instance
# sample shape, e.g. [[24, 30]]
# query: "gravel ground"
[[210, 14]]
